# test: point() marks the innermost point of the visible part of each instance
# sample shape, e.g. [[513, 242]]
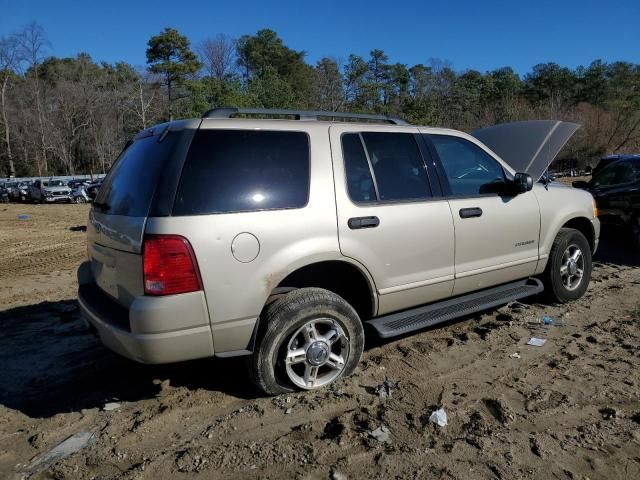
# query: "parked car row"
[[50, 190]]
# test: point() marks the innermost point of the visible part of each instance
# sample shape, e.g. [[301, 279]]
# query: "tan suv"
[[280, 238]]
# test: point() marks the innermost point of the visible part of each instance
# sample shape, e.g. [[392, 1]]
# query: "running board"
[[421, 317]]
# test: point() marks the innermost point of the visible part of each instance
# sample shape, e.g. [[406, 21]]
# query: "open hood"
[[530, 146]]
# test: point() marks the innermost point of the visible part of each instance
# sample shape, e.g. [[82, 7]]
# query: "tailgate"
[[118, 217], [114, 249]]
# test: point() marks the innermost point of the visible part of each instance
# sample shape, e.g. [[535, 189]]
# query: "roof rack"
[[228, 112]]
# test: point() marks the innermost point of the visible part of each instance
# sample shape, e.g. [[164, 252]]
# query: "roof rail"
[[228, 112]]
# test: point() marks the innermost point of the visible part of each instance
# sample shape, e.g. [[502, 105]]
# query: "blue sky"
[[476, 34]]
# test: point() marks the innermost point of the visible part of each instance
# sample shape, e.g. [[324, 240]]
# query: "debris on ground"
[[335, 475], [499, 410], [608, 413], [439, 417], [71, 445], [23, 217], [382, 434], [536, 342], [386, 389], [515, 355], [110, 406]]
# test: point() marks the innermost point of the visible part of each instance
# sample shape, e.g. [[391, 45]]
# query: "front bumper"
[[57, 198], [154, 329], [596, 234]]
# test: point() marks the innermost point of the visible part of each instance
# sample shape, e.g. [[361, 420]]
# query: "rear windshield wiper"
[[102, 206]]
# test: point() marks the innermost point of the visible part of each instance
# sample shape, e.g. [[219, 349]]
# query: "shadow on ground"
[[616, 248], [51, 364]]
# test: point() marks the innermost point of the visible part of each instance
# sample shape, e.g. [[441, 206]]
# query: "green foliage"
[[265, 58], [169, 54]]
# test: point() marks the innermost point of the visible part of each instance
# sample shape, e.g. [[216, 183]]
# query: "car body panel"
[[558, 205], [309, 236], [499, 246], [529, 146], [410, 253]]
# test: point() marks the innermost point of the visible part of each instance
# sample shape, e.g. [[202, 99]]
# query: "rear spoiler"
[[529, 146]]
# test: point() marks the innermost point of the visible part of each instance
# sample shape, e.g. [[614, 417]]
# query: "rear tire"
[[309, 338], [568, 270]]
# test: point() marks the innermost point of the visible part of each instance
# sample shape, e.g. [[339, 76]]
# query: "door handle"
[[470, 212], [363, 222]]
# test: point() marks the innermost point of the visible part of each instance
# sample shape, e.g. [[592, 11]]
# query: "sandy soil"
[[567, 410]]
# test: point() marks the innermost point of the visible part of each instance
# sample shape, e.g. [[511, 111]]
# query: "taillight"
[[170, 266]]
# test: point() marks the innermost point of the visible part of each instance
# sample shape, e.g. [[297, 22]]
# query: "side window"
[[400, 172], [616, 174], [244, 170], [469, 169], [359, 181]]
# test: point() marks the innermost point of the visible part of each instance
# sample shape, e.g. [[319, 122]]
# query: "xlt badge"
[[527, 242]]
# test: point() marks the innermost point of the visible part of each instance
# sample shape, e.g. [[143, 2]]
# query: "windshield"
[[53, 183], [618, 173]]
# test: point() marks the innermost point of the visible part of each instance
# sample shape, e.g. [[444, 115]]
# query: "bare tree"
[[142, 97], [218, 55], [9, 62], [33, 43]]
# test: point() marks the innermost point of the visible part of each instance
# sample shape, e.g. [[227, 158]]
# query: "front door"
[[496, 235], [392, 218]]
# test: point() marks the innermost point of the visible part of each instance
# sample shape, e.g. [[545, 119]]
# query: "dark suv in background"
[[616, 189]]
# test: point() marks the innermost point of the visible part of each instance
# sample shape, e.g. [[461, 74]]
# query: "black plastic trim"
[[228, 112], [363, 222], [104, 307], [426, 316]]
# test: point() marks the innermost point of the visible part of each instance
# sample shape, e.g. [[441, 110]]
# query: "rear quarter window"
[[244, 170], [129, 186]]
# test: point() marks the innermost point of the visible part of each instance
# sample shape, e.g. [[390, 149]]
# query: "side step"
[[421, 317]]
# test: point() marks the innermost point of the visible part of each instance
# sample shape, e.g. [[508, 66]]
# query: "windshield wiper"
[[105, 207]]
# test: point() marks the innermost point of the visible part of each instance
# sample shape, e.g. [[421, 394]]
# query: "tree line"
[[74, 115]]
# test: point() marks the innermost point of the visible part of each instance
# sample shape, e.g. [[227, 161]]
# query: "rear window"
[[130, 184], [244, 170]]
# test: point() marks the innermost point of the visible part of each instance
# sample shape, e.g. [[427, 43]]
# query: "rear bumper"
[[154, 329]]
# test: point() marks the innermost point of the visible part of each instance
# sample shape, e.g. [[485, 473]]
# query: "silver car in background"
[[50, 191]]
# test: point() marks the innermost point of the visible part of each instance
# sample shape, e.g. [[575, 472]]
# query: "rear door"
[[391, 218], [117, 219], [496, 233]]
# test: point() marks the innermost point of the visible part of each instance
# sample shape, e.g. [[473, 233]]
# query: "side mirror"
[[523, 182], [580, 184]]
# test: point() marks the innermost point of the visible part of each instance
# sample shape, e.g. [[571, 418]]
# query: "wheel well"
[[338, 277], [584, 226]]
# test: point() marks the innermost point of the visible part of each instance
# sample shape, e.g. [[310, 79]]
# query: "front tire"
[[568, 270], [309, 338]]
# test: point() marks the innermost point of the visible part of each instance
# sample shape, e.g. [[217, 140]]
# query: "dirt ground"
[[567, 410]]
